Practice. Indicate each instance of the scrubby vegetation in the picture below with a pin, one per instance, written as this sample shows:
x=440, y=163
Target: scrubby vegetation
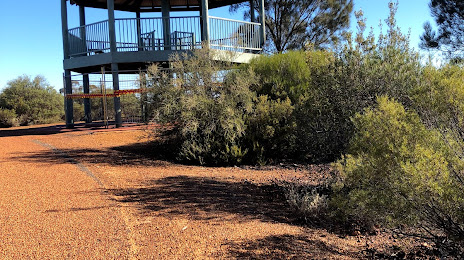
x=392, y=126
x=209, y=116
x=28, y=101
x=399, y=172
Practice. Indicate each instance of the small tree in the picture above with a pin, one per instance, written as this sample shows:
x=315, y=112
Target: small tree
x=399, y=172
x=33, y=100
x=8, y=118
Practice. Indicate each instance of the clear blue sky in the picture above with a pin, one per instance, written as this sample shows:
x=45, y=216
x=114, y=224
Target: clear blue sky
x=30, y=32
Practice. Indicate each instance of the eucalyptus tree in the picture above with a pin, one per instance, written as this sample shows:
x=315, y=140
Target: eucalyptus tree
x=292, y=24
x=449, y=35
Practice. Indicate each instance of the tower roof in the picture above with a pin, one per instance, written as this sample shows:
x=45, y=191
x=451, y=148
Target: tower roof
x=154, y=5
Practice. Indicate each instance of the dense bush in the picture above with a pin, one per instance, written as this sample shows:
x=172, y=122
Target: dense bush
x=269, y=130
x=208, y=116
x=326, y=88
x=295, y=83
x=282, y=76
x=33, y=100
x=8, y=118
x=439, y=99
x=399, y=172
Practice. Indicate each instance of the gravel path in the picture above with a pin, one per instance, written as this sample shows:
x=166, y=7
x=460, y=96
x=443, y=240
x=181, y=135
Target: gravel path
x=50, y=210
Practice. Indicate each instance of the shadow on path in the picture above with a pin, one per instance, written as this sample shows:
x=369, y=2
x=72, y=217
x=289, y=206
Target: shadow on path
x=286, y=247
x=143, y=154
x=207, y=199
x=56, y=129
x=216, y=201
x=45, y=130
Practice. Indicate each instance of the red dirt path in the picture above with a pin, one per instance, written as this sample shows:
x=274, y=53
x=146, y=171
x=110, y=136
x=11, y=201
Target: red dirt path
x=97, y=194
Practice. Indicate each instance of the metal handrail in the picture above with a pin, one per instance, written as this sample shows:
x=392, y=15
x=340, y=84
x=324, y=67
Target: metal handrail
x=163, y=33
x=234, y=35
x=233, y=20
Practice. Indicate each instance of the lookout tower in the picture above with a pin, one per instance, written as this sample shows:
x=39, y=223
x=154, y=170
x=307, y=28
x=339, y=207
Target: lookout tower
x=129, y=44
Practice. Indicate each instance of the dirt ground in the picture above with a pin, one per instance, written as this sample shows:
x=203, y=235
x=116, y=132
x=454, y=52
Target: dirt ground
x=95, y=193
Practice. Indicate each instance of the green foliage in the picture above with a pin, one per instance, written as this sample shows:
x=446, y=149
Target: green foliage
x=32, y=100
x=282, y=76
x=449, y=15
x=8, y=118
x=399, y=172
x=367, y=68
x=327, y=88
x=208, y=116
x=439, y=98
x=270, y=129
x=361, y=70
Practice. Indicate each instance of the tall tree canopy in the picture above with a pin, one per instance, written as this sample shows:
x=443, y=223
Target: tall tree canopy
x=449, y=36
x=292, y=24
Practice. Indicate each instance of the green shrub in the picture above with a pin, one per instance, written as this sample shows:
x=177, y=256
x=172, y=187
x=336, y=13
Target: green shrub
x=8, y=118
x=282, y=76
x=270, y=129
x=399, y=172
x=327, y=88
x=439, y=98
x=290, y=103
x=32, y=100
x=208, y=116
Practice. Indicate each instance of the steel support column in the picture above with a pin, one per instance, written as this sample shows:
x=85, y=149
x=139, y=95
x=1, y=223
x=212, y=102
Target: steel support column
x=263, y=23
x=69, y=113
x=87, y=107
x=114, y=66
x=165, y=12
x=82, y=30
x=139, y=31
x=64, y=28
x=85, y=77
x=205, y=22
x=111, y=26
x=67, y=88
x=117, y=100
x=252, y=11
